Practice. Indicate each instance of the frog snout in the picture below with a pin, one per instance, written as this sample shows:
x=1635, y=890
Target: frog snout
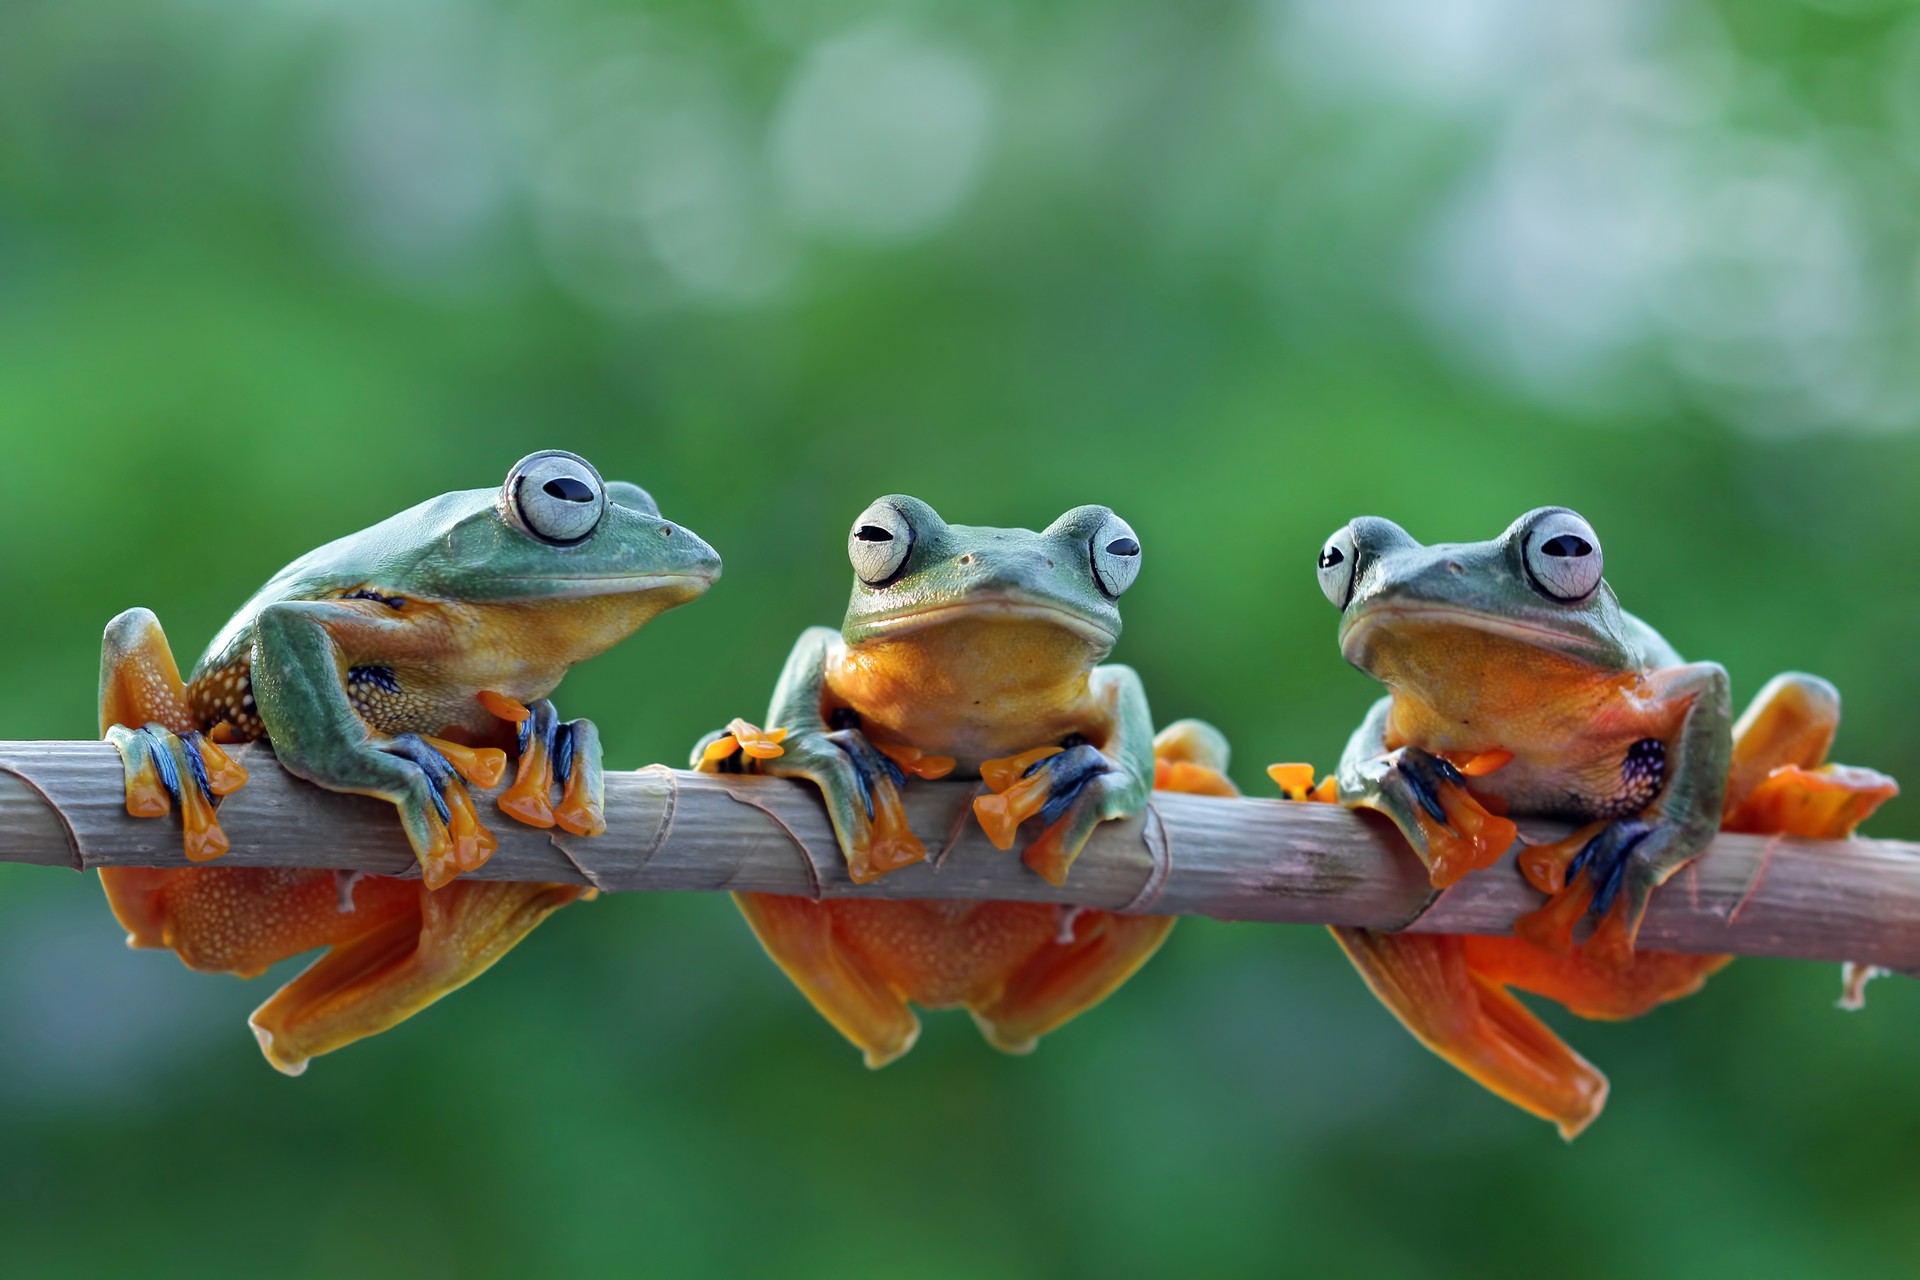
x=696, y=556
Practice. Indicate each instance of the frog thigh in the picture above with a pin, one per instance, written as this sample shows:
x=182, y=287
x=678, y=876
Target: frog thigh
x=1066, y=978
x=1780, y=783
x=1790, y=722
x=386, y=973
x=1428, y=982
x=241, y=920
x=139, y=681
x=140, y=685
x=798, y=935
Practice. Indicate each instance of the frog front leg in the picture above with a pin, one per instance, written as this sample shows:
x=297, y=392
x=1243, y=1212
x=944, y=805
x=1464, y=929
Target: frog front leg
x=1425, y=796
x=1075, y=786
x=859, y=783
x=300, y=685
x=1612, y=869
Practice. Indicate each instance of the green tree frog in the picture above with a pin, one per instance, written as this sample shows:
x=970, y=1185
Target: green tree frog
x=976, y=652
x=1517, y=686
x=397, y=662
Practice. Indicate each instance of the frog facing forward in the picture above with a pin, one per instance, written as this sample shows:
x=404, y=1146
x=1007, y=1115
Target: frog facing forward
x=975, y=652
x=1517, y=687
x=399, y=662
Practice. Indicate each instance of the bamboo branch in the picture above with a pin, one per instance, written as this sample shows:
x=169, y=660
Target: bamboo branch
x=61, y=804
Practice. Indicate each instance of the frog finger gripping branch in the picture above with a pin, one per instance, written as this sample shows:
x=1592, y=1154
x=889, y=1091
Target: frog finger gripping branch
x=1517, y=686
x=974, y=652
x=396, y=662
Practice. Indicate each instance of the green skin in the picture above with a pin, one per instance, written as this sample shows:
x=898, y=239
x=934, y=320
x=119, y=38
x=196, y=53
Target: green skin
x=1478, y=657
x=985, y=643
x=470, y=599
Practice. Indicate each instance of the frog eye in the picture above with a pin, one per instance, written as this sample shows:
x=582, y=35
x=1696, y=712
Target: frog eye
x=879, y=544
x=1563, y=556
x=1116, y=555
x=1337, y=560
x=557, y=497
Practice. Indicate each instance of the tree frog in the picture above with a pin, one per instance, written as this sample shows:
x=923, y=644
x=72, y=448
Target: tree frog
x=1517, y=686
x=975, y=652
x=395, y=662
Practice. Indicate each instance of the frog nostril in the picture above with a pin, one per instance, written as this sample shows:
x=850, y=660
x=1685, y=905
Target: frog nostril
x=1454, y=566
x=666, y=531
x=967, y=559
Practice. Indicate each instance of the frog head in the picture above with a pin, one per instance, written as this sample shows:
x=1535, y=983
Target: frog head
x=565, y=556
x=1413, y=614
x=918, y=578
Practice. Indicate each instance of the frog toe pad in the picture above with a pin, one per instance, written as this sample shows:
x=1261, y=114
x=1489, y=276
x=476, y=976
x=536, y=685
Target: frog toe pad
x=164, y=769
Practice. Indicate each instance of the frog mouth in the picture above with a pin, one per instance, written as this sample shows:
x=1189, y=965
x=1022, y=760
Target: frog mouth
x=588, y=585
x=1356, y=637
x=994, y=608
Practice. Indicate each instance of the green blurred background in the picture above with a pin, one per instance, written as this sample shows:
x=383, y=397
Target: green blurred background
x=271, y=270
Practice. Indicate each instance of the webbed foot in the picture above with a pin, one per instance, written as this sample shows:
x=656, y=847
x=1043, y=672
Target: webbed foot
x=455, y=841
x=1429, y=982
x=559, y=753
x=164, y=769
x=383, y=970
x=1602, y=871
x=1455, y=833
x=1191, y=756
x=859, y=782
x=1818, y=804
x=1072, y=788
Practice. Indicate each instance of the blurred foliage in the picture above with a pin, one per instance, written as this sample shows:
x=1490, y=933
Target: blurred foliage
x=270, y=271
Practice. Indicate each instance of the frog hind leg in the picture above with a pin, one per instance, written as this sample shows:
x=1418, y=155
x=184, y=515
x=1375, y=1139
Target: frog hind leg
x=840, y=982
x=396, y=966
x=1780, y=783
x=1777, y=785
x=1429, y=982
x=1095, y=952
x=144, y=712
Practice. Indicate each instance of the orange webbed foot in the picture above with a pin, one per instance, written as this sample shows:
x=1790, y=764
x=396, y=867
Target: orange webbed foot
x=384, y=972
x=1818, y=804
x=163, y=769
x=741, y=737
x=1461, y=834
x=1432, y=983
x=563, y=753
x=1071, y=788
x=1184, y=777
x=1018, y=792
x=915, y=762
x=891, y=843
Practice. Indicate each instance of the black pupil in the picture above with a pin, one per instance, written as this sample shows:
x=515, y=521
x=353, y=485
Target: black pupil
x=1331, y=557
x=568, y=489
x=872, y=533
x=1567, y=545
x=1123, y=547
